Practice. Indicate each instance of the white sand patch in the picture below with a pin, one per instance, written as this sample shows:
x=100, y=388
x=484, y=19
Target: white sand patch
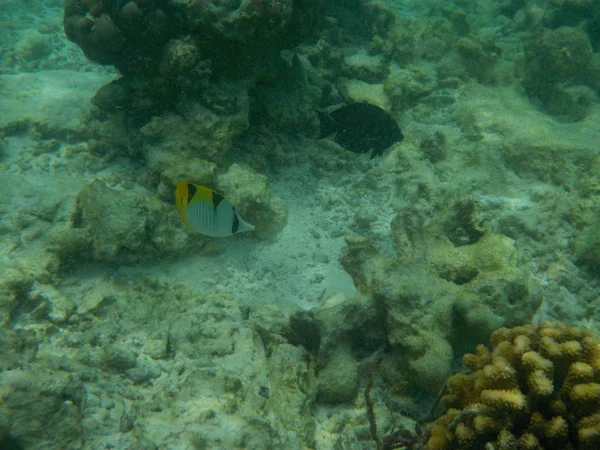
x=60, y=98
x=300, y=266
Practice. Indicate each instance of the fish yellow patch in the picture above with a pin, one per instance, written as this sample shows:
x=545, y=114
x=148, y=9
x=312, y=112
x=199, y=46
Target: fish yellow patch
x=181, y=199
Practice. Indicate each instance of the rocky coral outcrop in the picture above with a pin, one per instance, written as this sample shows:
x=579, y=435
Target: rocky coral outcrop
x=126, y=35
x=292, y=393
x=557, y=57
x=187, y=58
x=338, y=380
x=125, y=225
x=450, y=285
x=538, y=388
x=39, y=408
x=203, y=130
x=584, y=14
x=47, y=399
x=179, y=37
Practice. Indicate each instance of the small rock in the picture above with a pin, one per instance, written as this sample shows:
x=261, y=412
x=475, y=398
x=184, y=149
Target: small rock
x=59, y=306
x=120, y=357
x=338, y=381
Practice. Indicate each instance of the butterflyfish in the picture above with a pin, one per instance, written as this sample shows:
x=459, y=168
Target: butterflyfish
x=207, y=211
x=360, y=128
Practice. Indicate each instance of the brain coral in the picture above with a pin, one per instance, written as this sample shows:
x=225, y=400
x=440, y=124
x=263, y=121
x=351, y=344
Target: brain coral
x=538, y=388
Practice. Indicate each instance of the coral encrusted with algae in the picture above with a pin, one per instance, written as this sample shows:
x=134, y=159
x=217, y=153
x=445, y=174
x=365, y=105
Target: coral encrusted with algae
x=538, y=388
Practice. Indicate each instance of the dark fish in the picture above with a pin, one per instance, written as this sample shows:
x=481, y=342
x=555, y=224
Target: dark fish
x=360, y=128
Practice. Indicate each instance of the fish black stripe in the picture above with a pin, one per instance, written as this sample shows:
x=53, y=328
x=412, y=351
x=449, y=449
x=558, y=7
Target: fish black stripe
x=236, y=223
x=191, y=192
x=217, y=199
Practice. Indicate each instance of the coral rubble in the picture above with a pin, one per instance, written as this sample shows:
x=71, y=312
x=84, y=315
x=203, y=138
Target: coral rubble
x=106, y=375
x=538, y=388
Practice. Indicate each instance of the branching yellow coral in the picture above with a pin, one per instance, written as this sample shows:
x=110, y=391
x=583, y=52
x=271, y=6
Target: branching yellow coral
x=538, y=388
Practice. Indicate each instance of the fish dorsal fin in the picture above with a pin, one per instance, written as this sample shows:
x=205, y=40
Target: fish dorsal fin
x=328, y=124
x=331, y=109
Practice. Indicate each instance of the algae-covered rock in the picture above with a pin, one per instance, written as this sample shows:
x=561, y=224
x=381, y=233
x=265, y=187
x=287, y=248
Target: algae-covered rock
x=252, y=196
x=59, y=306
x=194, y=170
x=94, y=299
x=127, y=225
x=350, y=326
x=450, y=285
x=39, y=408
x=479, y=57
x=405, y=86
x=203, y=131
x=532, y=142
x=340, y=333
x=365, y=67
x=120, y=357
x=18, y=348
x=586, y=246
x=582, y=14
x=214, y=337
x=14, y=287
x=144, y=36
x=270, y=322
x=338, y=380
x=289, y=103
x=561, y=54
x=33, y=46
x=356, y=91
x=292, y=392
x=180, y=56
x=27, y=301
x=360, y=259
x=558, y=56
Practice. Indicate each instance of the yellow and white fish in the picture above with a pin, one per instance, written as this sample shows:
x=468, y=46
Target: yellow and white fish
x=207, y=211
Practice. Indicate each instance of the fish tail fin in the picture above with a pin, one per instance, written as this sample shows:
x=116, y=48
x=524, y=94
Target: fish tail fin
x=244, y=226
x=328, y=125
x=375, y=153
